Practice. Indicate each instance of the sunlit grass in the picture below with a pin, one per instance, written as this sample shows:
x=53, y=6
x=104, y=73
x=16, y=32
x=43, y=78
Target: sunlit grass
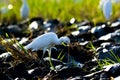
x=60, y=56
x=17, y=50
x=61, y=9
x=104, y=62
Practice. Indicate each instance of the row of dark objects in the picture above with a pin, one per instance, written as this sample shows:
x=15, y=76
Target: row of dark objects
x=108, y=47
x=32, y=69
x=37, y=69
x=110, y=72
x=104, y=46
x=100, y=34
x=95, y=31
x=69, y=69
x=17, y=28
x=103, y=32
x=105, y=38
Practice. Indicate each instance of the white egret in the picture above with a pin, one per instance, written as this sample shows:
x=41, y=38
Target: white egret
x=24, y=10
x=46, y=42
x=107, y=9
x=3, y=10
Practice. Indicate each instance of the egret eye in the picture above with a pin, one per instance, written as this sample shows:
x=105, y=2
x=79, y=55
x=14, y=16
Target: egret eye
x=66, y=42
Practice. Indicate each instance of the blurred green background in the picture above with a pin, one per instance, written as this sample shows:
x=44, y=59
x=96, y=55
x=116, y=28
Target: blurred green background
x=63, y=10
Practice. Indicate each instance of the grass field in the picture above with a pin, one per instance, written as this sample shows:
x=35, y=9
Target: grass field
x=59, y=9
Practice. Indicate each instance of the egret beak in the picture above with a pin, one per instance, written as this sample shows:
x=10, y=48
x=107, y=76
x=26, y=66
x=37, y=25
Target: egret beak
x=65, y=44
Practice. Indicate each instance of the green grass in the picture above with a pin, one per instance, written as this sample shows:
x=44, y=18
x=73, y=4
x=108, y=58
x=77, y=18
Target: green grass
x=18, y=51
x=106, y=61
x=63, y=10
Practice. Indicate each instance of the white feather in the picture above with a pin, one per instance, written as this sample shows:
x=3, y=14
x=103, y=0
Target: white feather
x=46, y=41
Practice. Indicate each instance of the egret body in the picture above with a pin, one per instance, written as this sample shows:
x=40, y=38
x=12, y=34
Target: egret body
x=24, y=10
x=46, y=42
x=107, y=9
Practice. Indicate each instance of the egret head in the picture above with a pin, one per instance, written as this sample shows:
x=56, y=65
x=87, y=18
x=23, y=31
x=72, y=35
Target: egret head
x=64, y=40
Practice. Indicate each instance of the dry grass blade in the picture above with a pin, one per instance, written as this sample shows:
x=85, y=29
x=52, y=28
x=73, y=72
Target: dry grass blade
x=18, y=52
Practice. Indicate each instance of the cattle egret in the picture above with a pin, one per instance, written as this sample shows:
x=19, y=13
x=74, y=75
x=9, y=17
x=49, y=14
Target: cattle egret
x=46, y=42
x=24, y=10
x=107, y=9
x=3, y=10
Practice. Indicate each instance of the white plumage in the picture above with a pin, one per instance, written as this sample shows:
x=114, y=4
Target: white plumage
x=46, y=41
x=24, y=10
x=107, y=9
